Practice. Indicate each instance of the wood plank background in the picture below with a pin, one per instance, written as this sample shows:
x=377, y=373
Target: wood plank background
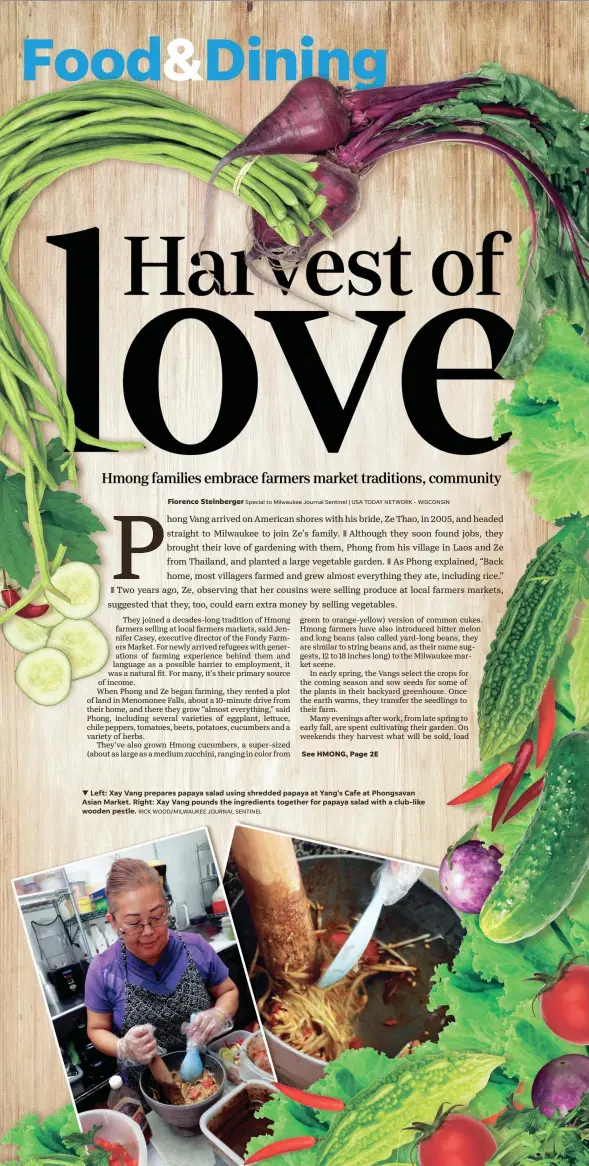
x=436, y=200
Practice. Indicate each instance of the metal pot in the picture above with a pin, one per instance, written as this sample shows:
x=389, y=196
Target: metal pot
x=183, y=1118
x=342, y=884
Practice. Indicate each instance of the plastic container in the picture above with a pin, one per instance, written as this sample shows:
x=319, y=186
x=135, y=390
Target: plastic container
x=117, y=1127
x=237, y=1036
x=98, y=900
x=219, y=901
x=248, y=1069
x=231, y=1122
x=292, y=1067
x=84, y=904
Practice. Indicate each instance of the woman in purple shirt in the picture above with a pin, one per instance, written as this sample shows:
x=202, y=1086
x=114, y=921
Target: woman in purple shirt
x=150, y=982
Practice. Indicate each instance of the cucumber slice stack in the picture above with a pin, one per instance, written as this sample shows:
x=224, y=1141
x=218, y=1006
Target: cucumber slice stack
x=63, y=644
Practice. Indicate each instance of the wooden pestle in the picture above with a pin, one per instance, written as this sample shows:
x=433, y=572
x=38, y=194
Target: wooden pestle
x=276, y=897
x=160, y=1073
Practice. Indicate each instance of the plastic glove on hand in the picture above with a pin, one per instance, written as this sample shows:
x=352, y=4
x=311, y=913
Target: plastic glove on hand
x=394, y=880
x=138, y=1045
x=205, y=1026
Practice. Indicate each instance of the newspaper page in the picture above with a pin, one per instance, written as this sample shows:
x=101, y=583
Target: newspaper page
x=294, y=476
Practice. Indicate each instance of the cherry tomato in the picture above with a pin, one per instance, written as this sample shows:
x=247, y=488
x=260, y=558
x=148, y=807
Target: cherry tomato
x=565, y=1007
x=460, y=1141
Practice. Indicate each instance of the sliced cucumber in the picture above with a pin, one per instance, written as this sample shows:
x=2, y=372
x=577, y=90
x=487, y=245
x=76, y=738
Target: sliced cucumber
x=45, y=676
x=25, y=634
x=81, y=583
x=51, y=617
x=85, y=646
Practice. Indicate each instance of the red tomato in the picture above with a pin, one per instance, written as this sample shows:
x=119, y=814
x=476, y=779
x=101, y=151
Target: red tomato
x=460, y=1141
x=370, y=955
x=565, y=1007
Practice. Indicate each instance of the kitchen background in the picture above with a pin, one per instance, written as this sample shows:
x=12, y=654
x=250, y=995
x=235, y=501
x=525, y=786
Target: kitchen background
x=64, y=914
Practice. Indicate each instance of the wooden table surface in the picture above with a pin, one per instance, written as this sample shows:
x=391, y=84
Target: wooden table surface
x=436, y=200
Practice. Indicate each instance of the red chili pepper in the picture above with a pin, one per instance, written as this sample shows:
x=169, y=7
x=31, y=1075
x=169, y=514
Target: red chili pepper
x=522, y=760
x=313, y=1100
x=283, y=1147
x=529, y=795
x=546, y=723
x=10, y=596
x=484, y=786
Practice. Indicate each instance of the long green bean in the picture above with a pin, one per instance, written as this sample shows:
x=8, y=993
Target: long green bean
x=42, y=140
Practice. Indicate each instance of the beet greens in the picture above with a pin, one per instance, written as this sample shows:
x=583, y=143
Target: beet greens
x=542, y=137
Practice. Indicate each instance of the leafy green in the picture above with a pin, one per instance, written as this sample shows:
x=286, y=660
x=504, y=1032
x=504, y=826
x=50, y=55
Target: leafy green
x=579, y=669
x=65, y=519
x=548, y=417
x=55, y=1140
x=489, y=994
x=349, y=1075
x=16, y=552
x=57, y=457
x=557, y=144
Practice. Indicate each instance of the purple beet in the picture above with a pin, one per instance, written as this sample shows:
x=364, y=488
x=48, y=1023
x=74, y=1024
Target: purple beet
x=309, y=120
x=468, y=878
x=560, y=1085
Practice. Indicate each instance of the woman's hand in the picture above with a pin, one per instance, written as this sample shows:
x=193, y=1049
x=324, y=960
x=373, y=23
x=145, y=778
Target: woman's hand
x=206, y=1026
x=138, y=1045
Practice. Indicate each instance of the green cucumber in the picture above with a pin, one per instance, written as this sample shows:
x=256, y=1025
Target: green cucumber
x=553, y=855
x=45, y=676
x=85, y=646
x=81, y=584
x=24, y=634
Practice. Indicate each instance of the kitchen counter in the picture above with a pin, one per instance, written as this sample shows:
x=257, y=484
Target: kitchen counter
x=207, y=931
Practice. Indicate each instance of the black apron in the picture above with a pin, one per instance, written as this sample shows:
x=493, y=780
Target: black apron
x=166, y=1013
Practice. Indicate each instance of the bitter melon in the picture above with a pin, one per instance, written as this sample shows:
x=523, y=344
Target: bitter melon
x=529, y=638
x=374, y=1123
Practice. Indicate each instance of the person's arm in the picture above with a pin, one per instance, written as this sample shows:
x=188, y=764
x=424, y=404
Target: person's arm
x=99, y=1029
x=227, y=996
x=138, y=1044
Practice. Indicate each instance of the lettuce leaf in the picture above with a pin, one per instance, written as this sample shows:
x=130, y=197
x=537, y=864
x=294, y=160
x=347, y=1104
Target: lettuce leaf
x=548, y=417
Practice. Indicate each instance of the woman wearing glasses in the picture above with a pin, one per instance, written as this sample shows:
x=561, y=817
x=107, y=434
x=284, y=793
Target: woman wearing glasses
x=152, y=976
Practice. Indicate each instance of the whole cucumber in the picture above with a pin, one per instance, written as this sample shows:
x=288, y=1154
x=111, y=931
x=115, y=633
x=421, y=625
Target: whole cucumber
x=553, y=855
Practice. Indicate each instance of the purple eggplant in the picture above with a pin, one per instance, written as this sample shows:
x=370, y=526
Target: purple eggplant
x=560, y=1084
x=468, y=875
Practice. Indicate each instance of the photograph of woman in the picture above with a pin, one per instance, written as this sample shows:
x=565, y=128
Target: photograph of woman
x=143, y=991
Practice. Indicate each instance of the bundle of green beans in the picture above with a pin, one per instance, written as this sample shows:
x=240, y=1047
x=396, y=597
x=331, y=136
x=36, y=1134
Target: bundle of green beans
x=43, y=139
